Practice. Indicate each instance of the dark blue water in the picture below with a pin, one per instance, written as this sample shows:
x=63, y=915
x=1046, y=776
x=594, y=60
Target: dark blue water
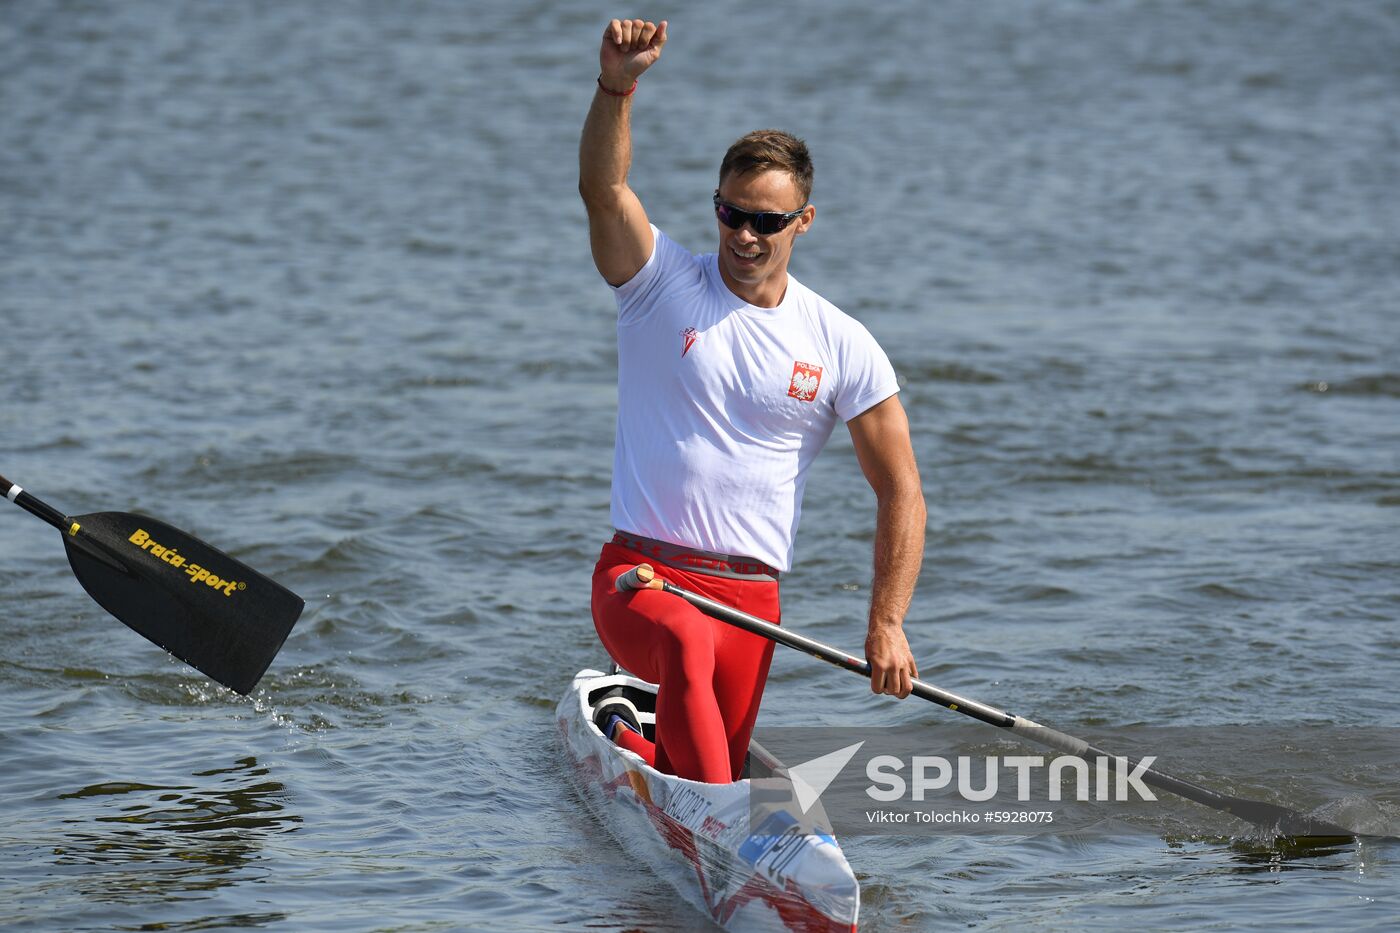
x=311, y=281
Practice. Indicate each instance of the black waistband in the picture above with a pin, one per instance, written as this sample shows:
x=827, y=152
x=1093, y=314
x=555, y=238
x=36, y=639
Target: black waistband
x=733, y=566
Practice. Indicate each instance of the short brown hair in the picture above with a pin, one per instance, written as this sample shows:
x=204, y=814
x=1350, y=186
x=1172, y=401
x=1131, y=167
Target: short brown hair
x=764, y=150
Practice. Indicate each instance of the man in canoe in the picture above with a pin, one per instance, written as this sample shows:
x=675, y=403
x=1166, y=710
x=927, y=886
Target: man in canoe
x=732, y=376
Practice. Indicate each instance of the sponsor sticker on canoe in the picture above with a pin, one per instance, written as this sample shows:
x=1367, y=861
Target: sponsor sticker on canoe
x=688, y=808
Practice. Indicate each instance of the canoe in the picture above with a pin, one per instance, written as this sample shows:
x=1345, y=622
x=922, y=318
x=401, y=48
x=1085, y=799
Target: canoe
x=697, y=837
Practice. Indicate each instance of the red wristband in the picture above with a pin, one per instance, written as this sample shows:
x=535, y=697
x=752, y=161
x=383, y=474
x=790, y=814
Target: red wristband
x=611, y=93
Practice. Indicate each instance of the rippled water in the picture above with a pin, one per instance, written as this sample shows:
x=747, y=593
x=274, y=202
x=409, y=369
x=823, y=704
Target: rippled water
x=311, y=281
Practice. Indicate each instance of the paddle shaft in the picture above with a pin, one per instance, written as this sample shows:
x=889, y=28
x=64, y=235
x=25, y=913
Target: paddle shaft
x=642, y=577
x=33, y=505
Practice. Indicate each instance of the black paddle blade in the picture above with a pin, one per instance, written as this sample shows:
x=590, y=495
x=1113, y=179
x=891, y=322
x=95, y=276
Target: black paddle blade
x=1288, y=824
x=210, y=610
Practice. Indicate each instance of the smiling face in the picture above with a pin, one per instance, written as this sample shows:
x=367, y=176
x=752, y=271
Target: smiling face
x=755, y=267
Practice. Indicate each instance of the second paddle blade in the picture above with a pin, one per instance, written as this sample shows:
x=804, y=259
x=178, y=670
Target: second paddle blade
x=208, y=609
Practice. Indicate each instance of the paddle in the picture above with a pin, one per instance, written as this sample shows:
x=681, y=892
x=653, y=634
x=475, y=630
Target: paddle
x=211, y=611
x=1281, y=820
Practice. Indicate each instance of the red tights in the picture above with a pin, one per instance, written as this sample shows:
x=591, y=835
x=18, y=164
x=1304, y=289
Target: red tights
x=710, y=674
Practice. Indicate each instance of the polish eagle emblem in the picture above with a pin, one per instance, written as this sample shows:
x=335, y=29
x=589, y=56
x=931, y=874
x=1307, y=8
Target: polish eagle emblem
x=806, y=378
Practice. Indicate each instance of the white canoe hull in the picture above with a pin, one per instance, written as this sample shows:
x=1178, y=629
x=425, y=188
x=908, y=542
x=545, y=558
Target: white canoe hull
x=697, y=837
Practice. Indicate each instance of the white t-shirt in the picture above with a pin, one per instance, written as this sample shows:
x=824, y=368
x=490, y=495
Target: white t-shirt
x=723, y=406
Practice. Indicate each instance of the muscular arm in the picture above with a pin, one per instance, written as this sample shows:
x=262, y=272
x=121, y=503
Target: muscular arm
x=618, y=230
x=886, y=456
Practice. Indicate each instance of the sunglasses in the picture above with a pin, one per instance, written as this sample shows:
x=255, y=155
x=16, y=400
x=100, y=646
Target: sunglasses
x=764, y=223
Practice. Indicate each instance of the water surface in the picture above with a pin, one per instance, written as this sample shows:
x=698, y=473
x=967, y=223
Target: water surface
x=311, y=281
